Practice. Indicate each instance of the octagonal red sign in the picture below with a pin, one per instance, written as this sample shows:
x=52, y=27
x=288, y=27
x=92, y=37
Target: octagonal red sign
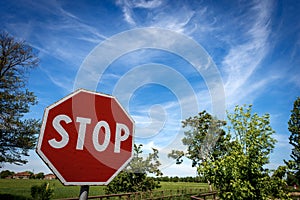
x=86, y=138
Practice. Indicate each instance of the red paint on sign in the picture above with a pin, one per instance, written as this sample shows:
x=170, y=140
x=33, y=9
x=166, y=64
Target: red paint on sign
x=86, y=138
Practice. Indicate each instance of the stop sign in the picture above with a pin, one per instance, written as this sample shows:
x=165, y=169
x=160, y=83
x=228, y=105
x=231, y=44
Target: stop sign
x=86, y=138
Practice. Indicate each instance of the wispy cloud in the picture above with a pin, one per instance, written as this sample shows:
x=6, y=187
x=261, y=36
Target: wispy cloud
x=158, y=14
x=63, y=81
x=63, y=37
x=66, y=37
x=128, y=6
x=147, y=4
x=244, y=58
x=127, y=11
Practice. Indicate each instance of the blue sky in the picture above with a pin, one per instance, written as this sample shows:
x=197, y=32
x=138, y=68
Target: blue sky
x=254, y=46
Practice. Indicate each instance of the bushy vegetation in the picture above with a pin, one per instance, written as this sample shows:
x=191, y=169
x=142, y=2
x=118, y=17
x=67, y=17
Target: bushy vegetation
x=135, y=177
x=41, y=192
x=6, y=173
x=234, y=160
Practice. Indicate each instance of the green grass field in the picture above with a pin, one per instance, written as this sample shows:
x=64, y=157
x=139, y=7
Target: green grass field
x=22, y=187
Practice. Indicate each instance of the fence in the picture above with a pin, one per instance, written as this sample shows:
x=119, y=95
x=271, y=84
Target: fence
x=204, y=196
x=151, y=195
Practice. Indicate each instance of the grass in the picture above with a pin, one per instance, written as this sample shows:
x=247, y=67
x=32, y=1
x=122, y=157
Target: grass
x=22, y=187
x=180, y=185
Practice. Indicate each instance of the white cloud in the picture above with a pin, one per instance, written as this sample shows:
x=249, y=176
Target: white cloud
x=65, y=38
x=159, y=14
x=129, y=6
x=147, y=147
x=127, y=11
x=243, y=59
x=34, y=164
x=168, y=165
x=174, y=22
x=128, y=15
x=148, y=127
x=282, y=141
x=182, y=170
x=146, y=4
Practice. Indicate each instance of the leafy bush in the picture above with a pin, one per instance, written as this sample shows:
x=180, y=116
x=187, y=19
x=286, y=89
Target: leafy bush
x=134, y=178
x=42, y=192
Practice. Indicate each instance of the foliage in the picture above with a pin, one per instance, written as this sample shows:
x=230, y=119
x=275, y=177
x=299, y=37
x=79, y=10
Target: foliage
x=134, y=178
x=236, y=165
x=294, y=128
x=17, y=135
x=204, y=139
x=277, y=186
x=292, y=179
x=42, y=192
x=39, y=175
x=240, y=172
x=6, y=173
x=31, y=176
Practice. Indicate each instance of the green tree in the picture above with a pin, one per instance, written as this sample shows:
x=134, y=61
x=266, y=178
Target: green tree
x=17, y=135
x=31, y=176
x=204, y=139
x=294, y=128
x=134, y=178
x=236, y=166
x=240, y=173
x=40, y=175
x=6, y=173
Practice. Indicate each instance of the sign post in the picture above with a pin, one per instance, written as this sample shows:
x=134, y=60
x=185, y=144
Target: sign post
x=86, y=139
x=84, y=192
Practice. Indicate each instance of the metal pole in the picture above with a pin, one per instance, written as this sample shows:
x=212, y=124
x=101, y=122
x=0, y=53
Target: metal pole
x=84, y=192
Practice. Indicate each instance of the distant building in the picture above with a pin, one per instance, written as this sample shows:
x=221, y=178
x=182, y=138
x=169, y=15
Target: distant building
x=21, y=175
x=49, y=177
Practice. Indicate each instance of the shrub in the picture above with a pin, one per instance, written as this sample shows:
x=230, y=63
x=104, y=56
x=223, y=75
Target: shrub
x=42, y=192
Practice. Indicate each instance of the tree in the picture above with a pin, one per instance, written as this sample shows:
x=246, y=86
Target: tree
x=31, y=176
x=204, y=139
x=294, y=128
x=134, y=178
x=236, y=166
x=40, y=175
x=17, y=135
x=240, y=172
x=6, y=173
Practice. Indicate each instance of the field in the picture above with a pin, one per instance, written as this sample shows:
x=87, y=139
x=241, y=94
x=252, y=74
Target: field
x=22, y=187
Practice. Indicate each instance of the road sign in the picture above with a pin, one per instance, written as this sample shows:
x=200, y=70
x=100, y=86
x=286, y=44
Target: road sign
x=86, y=138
